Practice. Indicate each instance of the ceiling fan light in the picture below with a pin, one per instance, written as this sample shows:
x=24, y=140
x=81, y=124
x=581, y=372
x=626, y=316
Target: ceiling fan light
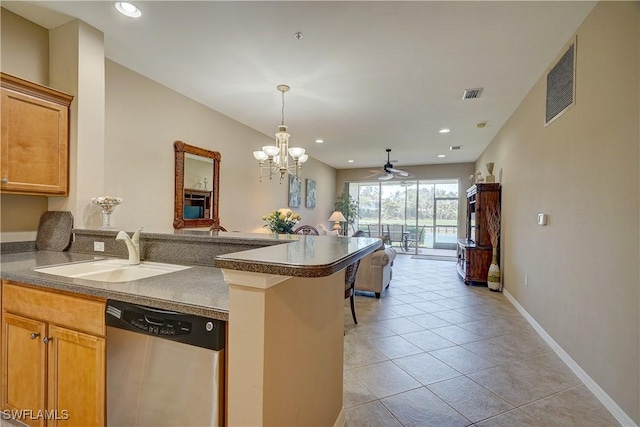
x=271, y=150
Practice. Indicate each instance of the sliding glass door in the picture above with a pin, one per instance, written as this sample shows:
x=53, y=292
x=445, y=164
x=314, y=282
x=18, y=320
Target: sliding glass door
x=446, y=216
x=414, y=215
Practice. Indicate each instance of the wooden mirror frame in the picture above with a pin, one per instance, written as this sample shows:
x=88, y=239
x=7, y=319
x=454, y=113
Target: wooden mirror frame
x=180, y=148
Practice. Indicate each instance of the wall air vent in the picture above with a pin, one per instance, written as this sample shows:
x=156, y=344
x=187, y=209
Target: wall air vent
x=561, y=84
x=455, y=147
x=472, y=93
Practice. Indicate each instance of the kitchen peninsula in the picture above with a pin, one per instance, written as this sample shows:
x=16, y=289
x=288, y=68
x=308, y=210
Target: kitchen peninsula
x=281, y=295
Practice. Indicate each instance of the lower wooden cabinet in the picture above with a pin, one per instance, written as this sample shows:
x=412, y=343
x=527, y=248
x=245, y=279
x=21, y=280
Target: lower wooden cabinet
x=52, y=373
x=24, y=358
x=473, y=261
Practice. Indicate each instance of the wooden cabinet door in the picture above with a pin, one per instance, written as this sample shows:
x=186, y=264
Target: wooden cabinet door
x=76, y=377
x=24, y=365
x=35, y=140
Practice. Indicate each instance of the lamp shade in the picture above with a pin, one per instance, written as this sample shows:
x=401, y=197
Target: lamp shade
x=271, y=150
x=337, y=216
x=260, y=156
x=296, y=152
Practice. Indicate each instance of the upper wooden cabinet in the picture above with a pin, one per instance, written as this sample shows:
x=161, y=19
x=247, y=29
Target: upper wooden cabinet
x=35, y=138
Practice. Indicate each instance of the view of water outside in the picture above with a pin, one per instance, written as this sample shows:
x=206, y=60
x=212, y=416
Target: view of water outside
x=413, y=214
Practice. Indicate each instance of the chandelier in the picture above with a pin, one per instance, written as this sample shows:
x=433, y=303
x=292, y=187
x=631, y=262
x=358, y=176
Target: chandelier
x=278, y=155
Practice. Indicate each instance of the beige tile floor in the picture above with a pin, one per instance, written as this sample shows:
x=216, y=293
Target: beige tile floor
x=435, y=352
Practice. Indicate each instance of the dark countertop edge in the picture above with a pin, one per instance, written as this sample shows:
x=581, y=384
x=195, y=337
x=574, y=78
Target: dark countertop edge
x=60, y=285
x=309, y=271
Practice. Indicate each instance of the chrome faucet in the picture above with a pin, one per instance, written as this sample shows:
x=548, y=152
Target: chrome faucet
x=133, y=245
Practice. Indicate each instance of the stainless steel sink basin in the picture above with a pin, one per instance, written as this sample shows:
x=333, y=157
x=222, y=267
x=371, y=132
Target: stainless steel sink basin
x=112, y=270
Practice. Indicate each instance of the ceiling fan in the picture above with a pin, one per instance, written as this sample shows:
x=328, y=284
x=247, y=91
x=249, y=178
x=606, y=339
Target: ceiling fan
x=388, y=171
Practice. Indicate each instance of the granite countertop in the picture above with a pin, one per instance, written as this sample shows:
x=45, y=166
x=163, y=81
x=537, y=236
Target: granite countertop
x=197, y=290
x=307, y=256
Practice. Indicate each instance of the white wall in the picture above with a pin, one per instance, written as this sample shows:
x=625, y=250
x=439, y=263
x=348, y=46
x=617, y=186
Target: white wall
x=583, y=171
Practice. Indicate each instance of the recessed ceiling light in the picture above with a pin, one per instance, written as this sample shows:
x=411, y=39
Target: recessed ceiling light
x=319, y=141
x=350, y=161
x=444, y=130
x=128, y=9
x=442, y=155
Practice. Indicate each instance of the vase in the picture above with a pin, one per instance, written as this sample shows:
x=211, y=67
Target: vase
x=493, y=277
x=490, y=177
x=107, y=210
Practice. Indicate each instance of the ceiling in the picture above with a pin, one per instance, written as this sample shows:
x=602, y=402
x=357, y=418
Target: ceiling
x=364, y=77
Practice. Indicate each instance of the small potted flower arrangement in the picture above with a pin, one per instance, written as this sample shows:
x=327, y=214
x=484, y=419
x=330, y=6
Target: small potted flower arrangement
x=281, y=221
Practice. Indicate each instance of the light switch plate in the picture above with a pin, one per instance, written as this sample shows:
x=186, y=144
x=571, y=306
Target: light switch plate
x=98, y=246
x=542, y=219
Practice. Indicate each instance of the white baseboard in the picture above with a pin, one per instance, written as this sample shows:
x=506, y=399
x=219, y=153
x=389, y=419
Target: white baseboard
x=600, y=394
x=341, y=420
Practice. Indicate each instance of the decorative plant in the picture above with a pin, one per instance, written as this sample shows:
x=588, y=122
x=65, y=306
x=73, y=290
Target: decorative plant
x=493, y=225
x=349, y=208
x=281, y=221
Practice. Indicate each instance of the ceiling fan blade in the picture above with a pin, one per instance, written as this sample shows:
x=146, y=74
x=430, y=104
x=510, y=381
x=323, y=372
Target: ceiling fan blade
x=371, y=176
x=398, y=171
x=385, y=177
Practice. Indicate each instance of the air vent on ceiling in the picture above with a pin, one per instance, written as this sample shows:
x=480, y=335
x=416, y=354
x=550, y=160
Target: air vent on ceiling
x=455, y=147
x=472, y=93
x=561, y=84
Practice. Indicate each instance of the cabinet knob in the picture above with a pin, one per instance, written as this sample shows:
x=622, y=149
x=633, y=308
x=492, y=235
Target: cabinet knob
x=5, y=180
x=33, y=335
x=47, y=340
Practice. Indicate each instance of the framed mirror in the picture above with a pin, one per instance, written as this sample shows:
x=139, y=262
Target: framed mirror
x=197, y=186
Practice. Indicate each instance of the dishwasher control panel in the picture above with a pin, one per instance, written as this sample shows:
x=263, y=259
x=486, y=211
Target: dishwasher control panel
x=186, y=328
x=157, y=326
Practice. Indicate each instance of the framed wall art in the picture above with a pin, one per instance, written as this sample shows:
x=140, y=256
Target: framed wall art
x=311, y=194
x=295, y=192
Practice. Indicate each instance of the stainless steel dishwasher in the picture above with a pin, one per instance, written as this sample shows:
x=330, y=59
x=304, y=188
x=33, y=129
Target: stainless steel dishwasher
x=163, y=368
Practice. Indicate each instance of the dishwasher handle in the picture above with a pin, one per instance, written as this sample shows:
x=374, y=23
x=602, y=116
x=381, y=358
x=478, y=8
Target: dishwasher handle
x=154, y=321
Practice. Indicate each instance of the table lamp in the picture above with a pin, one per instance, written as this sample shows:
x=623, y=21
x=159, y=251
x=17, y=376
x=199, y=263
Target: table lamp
x=337, y=217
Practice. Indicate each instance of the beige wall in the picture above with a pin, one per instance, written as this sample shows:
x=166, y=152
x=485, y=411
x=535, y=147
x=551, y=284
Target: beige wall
x=144, y=118
x=134, y=159
x=583, y=171
x=24, y=52
x=454, y=171
x=24, y=48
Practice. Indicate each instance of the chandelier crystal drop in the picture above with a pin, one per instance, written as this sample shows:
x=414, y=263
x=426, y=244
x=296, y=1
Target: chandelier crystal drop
x=278, y=155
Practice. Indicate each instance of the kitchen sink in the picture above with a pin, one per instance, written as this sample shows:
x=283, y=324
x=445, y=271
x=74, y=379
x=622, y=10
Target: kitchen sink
x=111, y=270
